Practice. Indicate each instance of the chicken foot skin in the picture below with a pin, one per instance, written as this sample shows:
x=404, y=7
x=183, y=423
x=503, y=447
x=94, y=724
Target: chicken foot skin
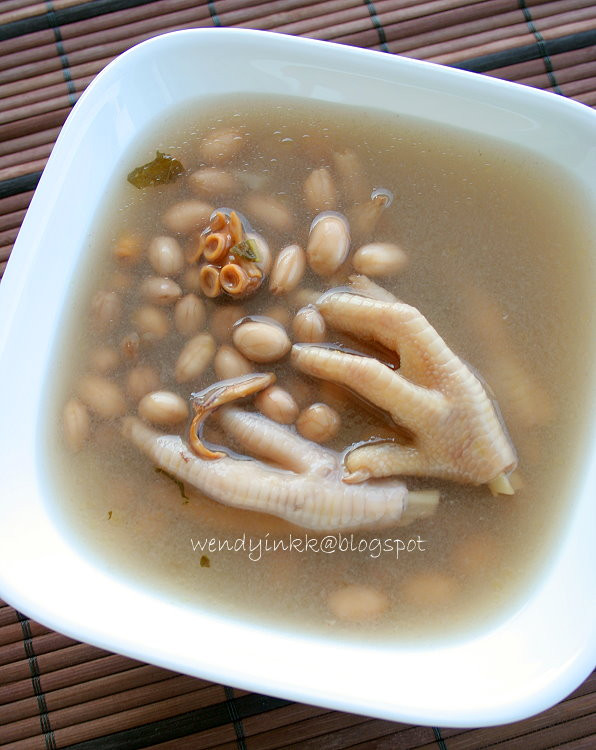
x=436, y=396
x=314, y=498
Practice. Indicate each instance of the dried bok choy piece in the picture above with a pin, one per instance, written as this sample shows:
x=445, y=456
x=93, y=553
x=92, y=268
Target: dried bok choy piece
x=163, y=169
x=246, y=249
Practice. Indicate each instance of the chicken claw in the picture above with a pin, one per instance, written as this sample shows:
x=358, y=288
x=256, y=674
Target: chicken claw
x=216, y=395
x=457, y=432
x=303, y=484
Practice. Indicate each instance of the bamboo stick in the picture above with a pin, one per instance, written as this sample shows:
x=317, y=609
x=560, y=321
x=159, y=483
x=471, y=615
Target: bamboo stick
x=303, y=17
x=36, y=108
x=7, y=614
x=82, y=712
x=79, y=36
x=7, y=205
x=441, y=20
x=121, y=720
x=10, y=634
x=580, y=86
x=30, y=125
x=29, y=52
x=281, y=717
x=50, y=661
x=560, y=21
x=75, y=694
x=42, y=644
x=579, y=72
x=32, y=40
x=573, y=57
x=20, y=11
x=32, y=140
x=22, y=169
x=25, y=86
x=456, y=35
x=217, y=738
x=518, y=71
x=444, y=55
x=548, y=9
x=7, y=5
x=568, y=29
x=5, y=253
x=68, y=676
x=34, y=96
x=27, y=157
x=5, y=250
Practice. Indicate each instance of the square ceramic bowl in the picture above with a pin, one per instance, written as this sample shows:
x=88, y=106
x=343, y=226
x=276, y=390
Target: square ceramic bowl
x=522, y=665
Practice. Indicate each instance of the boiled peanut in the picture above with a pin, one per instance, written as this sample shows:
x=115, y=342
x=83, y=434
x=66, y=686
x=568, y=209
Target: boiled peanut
x=210, y=181
x=128, y=248
x=221, y=145
x=429, y=588
x=277, y=404
x=229, y=363
x=163, y=408
x=303, y=297
x=288, y=270
x=102, y=396
x=379, y=259
x=319, y=190
x=151, y=322
x=160, y=290
x=194, y=358
x=350, y=171
x=104, y=359
x=475, y=555
x=166, y=256
x=189, y=314
x=106, y=308
x=263, y=251
x=280, y=314
x=301, y=390
x=223, y=319
x=261, y=340
x=271, y=212
x=191, y=279
x=365, y=216
x=328, y=243
x=120, y=281
x=357, y=603
x=130, y=345
x=75, y=423
x=309, y=325
x=187, y=216
x=141, y=380
x=318, y=422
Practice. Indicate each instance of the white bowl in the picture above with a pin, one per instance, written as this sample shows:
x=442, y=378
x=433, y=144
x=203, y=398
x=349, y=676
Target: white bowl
x=518, y=667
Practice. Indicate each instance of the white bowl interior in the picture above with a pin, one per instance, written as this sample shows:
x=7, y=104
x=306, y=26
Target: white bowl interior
x=516, y=668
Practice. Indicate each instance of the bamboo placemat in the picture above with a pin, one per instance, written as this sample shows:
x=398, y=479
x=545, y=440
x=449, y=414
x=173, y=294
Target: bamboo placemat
x=58, y=693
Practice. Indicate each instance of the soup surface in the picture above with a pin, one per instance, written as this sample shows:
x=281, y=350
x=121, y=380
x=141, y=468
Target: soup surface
x=479, y=242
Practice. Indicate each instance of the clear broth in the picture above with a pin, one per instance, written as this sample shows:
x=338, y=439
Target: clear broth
x=497, y=264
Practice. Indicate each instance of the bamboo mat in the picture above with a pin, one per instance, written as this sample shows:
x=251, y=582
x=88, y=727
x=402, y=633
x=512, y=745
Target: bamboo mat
x=58, y=693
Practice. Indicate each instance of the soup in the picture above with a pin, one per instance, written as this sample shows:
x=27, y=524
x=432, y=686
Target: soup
x=279, y=337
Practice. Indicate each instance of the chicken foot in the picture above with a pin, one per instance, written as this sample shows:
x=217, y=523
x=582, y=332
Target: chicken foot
x=436, y=396
x=304, y=487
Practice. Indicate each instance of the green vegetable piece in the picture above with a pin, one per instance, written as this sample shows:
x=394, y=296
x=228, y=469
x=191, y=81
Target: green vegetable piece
x=174, y=479
x=161, y=170
x=246, y=249
x=204, y=562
